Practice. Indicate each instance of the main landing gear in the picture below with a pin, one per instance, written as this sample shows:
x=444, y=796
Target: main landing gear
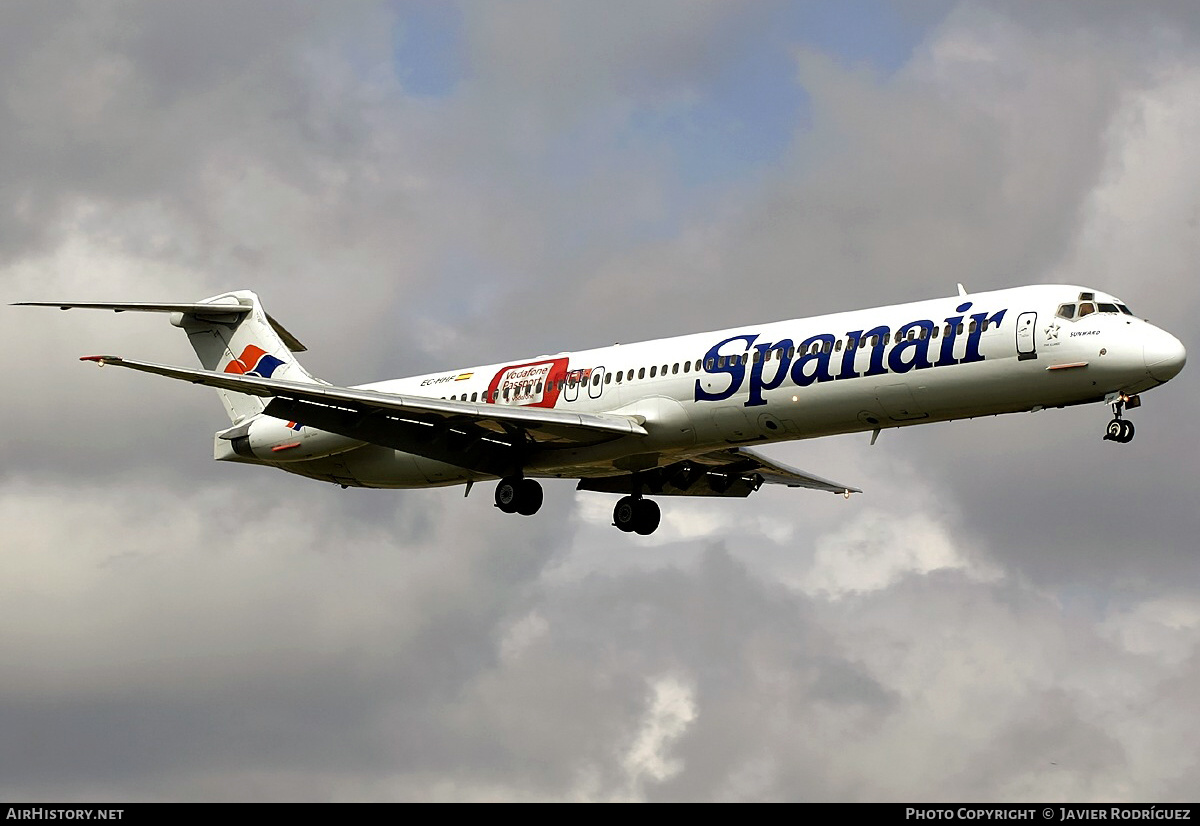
x=637, y=515
x=517, y=495
x=1119, y=429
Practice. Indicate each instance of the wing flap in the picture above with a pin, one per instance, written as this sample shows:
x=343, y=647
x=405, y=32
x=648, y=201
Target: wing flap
x=733, y=472
x=743, y=460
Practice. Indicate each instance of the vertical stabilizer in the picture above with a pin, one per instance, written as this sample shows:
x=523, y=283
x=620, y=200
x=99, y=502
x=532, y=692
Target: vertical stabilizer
x=249, y=343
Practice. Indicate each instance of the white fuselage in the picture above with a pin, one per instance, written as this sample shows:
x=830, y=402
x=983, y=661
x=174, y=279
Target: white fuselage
x=969, y=355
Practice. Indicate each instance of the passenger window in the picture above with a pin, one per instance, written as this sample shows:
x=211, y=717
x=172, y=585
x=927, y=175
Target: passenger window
x=620, y=376
x=608, y=378
x=698, y=363
x=475, y=396
x=641, y=372
x=596, y=380
x=791, y=351
x=664, y=369
x=708, y=365
x=687, y=365
x=674, y=368
x=837, y=345
x=653, y=371
x=972, y=326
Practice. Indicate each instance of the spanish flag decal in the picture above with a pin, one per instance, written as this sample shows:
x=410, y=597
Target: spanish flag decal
x=464, y=376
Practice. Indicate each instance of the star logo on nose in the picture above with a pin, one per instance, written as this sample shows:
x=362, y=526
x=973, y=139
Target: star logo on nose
x=1052, y=332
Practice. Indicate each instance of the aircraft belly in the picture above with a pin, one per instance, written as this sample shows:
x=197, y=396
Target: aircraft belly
x=375, y=466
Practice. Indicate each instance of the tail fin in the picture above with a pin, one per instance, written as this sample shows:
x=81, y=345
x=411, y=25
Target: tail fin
x=230, y=332
x=246, y=341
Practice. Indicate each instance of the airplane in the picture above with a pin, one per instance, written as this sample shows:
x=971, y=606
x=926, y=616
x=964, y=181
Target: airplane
x=669, y=417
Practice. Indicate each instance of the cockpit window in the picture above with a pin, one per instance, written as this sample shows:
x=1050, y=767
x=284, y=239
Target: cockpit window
x=1124, y=309
x=1066, y=311
x=1108, y=308
x=1086, y=308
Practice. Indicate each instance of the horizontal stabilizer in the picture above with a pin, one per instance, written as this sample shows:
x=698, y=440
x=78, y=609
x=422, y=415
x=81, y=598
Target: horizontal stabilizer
x=142, y=307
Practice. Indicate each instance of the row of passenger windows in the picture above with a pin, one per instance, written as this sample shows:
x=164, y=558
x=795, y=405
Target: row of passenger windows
x=654, y=371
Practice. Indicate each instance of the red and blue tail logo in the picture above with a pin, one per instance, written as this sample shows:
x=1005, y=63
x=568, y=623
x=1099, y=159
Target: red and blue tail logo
x=254, y=361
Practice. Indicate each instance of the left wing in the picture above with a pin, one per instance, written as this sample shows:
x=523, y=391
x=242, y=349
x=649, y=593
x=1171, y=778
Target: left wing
x=484, y=437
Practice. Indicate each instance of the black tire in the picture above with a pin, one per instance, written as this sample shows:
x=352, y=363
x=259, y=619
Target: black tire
x=508, y=494
x=646, y=518
x=529, y=497
x=625, y=513
x=1126, y=431
x=1115, y=430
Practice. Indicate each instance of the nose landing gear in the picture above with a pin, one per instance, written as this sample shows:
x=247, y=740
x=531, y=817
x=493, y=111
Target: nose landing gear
x=1121, y=430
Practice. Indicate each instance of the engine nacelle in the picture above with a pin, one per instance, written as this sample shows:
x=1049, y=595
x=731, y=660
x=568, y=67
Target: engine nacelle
x=274, y=440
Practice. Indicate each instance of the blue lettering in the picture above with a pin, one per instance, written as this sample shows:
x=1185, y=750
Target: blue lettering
x=979, y=321
x=819, y=360
x=853, y=339
x=812, y=361
x=877, y=337
x=919, y=347
x=757, y=383
x=732, y=366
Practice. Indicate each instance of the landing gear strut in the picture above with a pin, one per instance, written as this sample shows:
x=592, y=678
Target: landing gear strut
x=636, y=515
x=1119, y=429
x=517, y=495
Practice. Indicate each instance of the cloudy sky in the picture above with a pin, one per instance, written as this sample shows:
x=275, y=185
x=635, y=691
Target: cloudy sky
x=1010, y=612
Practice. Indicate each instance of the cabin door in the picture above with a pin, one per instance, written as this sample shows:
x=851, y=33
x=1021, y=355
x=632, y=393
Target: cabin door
x=1026, y=325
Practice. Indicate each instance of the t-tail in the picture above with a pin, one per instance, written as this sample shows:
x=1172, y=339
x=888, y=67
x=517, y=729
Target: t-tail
x=230, y=333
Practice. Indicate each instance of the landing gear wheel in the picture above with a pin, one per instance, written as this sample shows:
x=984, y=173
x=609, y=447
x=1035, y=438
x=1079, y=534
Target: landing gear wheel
x=515, y=495
x=646, y=517
x=625, y=513
x=529, y=497
x=640, y=516
x=508, y=494
x=1119, y=430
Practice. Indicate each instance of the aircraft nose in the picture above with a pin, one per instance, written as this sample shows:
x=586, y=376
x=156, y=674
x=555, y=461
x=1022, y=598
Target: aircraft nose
x=1164, y=354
